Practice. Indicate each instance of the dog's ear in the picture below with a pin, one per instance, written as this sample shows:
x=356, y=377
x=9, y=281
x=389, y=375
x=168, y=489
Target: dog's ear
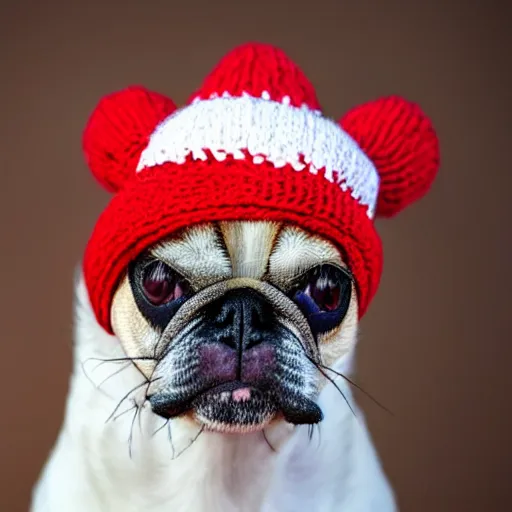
x=119, y=129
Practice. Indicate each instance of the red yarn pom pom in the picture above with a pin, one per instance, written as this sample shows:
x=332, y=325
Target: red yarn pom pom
x=400, y=140
x=119, y=129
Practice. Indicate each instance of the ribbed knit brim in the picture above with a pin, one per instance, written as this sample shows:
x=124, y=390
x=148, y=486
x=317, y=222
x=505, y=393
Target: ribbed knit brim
x=164, y=200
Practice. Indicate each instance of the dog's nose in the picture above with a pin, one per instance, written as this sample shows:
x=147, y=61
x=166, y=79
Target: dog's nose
x=240, y=318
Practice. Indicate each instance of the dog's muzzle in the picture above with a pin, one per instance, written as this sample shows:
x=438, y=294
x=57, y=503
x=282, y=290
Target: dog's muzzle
x=237, y=364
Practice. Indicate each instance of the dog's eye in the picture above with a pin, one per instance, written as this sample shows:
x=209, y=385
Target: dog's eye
x=158, y=290
x=161, y=284
x=326, y=292
x=323, y=296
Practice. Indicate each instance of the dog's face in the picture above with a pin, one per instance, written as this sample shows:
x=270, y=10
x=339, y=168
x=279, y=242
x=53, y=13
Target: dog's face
x=236, y=324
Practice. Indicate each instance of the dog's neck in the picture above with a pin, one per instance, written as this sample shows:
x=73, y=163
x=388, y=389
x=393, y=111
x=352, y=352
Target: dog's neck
x=129, y=459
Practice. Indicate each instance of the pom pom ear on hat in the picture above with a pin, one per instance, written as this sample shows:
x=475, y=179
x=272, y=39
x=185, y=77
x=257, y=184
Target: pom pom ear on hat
x=119, y=129
x=401, y=142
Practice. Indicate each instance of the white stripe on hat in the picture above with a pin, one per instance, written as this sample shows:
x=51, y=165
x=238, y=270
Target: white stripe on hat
x=265, y=130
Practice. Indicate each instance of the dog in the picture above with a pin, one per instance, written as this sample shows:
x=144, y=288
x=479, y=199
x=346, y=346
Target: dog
x=219, y=297
x=231, y=402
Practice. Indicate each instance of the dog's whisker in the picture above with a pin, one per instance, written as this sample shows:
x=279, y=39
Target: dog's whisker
x=115, y=418
x=99, y=386
x=137, y=387
x=310, y=432
x=161, y=427
x=169, y=435
x=140, y=417
x=318, y=366
x=267, y=441
x=166, y=423
x=358, y=387
x=130, y=437
x=141, y=406
x=191, y=443
x=331, y=380
x=115, y=360
x=120, y=359
x=82, y=364
x=117, y=372
x=99, y=365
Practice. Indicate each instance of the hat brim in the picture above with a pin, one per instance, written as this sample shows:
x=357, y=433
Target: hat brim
x=163, y=200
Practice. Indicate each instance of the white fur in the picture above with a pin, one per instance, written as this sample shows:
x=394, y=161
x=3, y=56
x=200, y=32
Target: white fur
x=265, y=130
x=90, y=468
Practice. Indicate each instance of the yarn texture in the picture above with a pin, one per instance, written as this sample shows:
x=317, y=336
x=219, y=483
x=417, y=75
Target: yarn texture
x=119, y=130
x=251, y=143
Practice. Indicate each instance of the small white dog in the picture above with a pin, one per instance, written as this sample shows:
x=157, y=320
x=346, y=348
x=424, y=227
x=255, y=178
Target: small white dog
x=115, y=454
x=218, y=303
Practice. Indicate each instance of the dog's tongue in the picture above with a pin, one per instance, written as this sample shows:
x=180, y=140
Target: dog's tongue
x=241, y=394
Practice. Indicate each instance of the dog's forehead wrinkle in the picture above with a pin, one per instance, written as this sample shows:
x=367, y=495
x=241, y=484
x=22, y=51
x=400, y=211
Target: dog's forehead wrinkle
x=249, y=245
x=199, y=254
x=296, y=251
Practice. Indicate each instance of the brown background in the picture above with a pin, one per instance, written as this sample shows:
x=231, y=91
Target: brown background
x=435, y=347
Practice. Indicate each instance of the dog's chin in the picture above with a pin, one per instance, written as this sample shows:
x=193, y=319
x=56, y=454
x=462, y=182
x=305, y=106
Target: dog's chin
x=234, y=409
x=238, y=408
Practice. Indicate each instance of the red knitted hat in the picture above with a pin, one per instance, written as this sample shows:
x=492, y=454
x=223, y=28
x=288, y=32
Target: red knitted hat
x=251, y=144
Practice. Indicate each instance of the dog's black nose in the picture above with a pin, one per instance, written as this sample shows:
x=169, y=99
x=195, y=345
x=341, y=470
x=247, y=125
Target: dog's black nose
x=241, y=318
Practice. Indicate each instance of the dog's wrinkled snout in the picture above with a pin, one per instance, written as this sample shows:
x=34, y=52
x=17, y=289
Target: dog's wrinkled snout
x=239, y=364
x=240, y=332
x=240, y=318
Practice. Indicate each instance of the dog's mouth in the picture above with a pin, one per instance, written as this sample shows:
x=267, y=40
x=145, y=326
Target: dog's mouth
x=237, y=407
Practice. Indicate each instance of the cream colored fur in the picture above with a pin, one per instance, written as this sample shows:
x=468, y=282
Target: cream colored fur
x=135, y=463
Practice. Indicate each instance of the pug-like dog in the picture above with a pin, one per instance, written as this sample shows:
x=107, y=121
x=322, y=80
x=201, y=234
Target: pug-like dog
x=216, y=393
x=220, y=293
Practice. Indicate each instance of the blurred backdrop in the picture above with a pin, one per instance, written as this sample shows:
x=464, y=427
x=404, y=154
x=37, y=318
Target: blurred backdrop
x=435, y=346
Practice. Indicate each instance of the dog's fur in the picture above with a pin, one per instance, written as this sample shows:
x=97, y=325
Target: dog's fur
x=115, y=454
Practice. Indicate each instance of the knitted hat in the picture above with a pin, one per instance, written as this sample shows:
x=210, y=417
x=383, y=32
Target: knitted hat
x=251, y=144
